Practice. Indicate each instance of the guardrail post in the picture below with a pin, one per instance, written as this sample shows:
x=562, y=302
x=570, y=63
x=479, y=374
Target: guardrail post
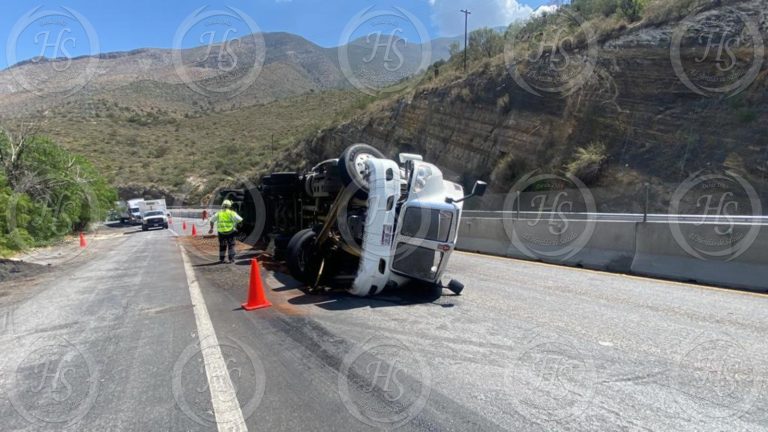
x=647, y=199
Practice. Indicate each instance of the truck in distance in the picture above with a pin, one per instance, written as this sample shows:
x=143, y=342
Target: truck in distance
x=154, y=214
x=134, y=210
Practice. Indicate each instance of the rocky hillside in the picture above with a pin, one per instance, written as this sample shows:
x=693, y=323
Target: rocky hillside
x=634, y=119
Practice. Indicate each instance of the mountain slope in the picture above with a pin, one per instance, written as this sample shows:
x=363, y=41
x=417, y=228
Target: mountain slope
x=151, y=152
x=152, y=78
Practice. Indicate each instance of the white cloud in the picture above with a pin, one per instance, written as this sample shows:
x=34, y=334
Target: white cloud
x=485, y=13
x=548, y=9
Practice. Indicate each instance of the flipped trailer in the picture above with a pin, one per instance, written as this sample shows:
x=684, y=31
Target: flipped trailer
x=362, y=222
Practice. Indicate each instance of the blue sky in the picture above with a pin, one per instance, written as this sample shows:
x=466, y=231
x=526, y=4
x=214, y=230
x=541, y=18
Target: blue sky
x=120, y=25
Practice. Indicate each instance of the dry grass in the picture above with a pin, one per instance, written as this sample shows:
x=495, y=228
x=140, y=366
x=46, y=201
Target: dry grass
x=153, y=147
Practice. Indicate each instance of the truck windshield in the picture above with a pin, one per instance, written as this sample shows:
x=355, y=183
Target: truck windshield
x=426, y=223
x=135, y=210
x=154, y=213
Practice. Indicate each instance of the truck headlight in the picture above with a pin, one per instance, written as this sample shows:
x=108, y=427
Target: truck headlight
x=421, y=177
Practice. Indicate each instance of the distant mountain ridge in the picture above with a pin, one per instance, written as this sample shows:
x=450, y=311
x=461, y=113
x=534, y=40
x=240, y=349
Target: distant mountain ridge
x=150, y=77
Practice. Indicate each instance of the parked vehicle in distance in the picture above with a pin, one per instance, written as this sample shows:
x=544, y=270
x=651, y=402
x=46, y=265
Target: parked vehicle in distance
x=134, y=210
x=154, y=219
x=152, y=205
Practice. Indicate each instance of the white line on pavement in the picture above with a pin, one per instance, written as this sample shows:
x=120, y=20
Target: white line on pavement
x=226, y=408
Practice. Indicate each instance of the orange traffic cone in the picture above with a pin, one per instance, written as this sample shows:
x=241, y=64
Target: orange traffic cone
x=194, y=230
x=256, y=297
x=83, y=243
x=184, y=226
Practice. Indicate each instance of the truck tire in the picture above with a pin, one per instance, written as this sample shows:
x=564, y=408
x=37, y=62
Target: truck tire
x=254, y=213
x=455, y=286
x=303, y=257
x=281, y=246
x=352, y=164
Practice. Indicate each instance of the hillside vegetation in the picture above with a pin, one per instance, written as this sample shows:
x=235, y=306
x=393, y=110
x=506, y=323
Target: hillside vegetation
x=152, y=149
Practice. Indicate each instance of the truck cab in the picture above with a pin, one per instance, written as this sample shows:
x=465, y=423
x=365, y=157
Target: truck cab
x=134, y=210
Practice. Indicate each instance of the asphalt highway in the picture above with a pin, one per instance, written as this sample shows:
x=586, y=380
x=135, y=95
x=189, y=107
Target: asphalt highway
x=143, y=331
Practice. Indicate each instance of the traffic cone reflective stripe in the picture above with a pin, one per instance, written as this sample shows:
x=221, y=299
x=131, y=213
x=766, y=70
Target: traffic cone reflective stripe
x=257, y=299
x=83, y=243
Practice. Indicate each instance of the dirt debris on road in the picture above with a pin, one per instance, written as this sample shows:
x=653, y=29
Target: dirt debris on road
x=281, y=289
x=14, y=270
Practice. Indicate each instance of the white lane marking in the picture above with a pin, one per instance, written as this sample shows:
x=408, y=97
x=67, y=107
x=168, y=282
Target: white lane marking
x=226, y=407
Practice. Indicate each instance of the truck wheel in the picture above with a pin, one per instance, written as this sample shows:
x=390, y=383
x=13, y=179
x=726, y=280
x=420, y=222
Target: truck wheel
x=144, y=228
x=352, y=164
x=304, y=257
x=455, y=286
x=254, y=213
x=281, y=246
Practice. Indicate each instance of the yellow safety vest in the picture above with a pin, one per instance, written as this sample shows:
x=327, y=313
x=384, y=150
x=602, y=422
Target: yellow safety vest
x=226, y=221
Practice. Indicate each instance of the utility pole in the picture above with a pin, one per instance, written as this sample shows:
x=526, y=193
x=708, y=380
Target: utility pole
x=466, y=13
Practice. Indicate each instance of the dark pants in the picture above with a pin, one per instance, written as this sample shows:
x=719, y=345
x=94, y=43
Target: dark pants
x=227, y=241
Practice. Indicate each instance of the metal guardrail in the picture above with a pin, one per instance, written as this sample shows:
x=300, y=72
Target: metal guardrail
x=553, y=216
x=190, y=212
x=619, y=217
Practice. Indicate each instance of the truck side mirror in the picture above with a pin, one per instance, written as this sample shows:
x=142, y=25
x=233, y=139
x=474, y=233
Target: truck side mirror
x=405, y=157
x=479, y=188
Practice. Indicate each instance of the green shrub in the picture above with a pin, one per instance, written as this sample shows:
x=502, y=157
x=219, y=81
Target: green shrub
x=631, y=9
x=507, y=170
x=588, y=162
x=53, y=194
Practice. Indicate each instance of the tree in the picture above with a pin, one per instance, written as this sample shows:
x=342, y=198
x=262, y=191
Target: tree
x=513, y=29
x=485, y=42
x=631, y=9
x=13, y=144
x=454, y=48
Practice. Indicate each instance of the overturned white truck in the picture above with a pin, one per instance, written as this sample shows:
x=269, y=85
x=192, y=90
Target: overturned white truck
x=362, y=222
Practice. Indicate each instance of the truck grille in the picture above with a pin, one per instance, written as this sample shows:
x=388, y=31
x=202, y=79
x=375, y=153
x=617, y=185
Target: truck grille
x=418, y=262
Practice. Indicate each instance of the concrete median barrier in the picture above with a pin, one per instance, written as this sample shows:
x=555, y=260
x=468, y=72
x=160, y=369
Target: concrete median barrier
x=597, y=245
x=483, y=236
x=727, y=256
x=733, y=257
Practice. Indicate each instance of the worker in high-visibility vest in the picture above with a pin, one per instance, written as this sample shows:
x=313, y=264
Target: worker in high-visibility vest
x=226, y=222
